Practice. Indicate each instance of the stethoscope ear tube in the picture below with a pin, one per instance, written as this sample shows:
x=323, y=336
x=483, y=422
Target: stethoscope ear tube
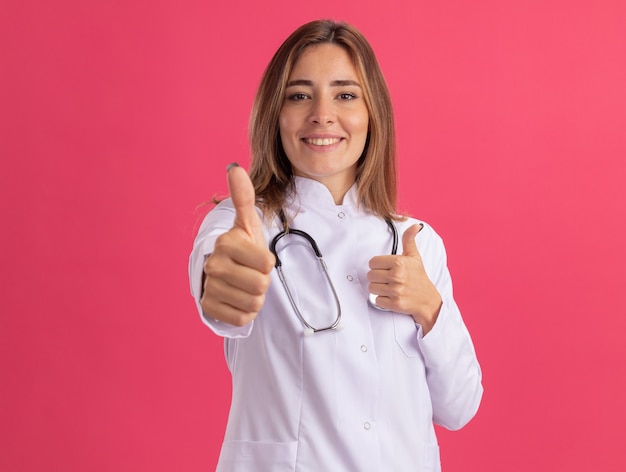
x=394, y=234
x=297, y=232
x=337, y=324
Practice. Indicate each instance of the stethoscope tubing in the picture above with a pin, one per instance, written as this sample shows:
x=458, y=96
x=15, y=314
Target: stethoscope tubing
x=309, y=329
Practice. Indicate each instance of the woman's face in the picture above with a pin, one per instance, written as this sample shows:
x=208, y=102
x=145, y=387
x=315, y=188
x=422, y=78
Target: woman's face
x=324, y=120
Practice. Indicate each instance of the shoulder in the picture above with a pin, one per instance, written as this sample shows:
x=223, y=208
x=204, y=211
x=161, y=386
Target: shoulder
x=222, y=214
x=429, y=242
x=427, y=231
x=221, y=218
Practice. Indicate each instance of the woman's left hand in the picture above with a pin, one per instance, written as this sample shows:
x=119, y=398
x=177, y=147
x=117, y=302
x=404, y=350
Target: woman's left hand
x=401, y=284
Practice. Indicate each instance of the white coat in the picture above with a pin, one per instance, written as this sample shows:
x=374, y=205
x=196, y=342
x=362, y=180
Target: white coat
x=363, y=398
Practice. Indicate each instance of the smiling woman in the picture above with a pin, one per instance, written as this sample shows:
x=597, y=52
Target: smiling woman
x=367, y=386
x=271, y=170
x=324, y=120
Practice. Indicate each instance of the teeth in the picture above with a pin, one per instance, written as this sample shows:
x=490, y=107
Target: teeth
x=322, y=141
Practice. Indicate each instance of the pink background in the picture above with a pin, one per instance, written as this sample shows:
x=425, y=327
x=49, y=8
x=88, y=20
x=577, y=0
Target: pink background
x=117, y=121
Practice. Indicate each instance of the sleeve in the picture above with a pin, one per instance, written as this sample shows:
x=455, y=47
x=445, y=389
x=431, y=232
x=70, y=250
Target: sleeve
x=217, y=222
x=453, y=373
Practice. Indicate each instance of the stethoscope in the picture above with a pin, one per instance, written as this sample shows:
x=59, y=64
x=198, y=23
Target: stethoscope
x=308, y=328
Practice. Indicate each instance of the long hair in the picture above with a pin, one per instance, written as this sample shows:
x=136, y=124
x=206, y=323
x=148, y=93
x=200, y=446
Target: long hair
x=271, y=171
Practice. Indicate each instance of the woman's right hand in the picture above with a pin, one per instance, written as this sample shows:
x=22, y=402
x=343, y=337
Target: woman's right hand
x=237, y=273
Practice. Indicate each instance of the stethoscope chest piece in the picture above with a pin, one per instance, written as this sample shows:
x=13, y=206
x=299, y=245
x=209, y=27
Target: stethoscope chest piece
x=372, y=301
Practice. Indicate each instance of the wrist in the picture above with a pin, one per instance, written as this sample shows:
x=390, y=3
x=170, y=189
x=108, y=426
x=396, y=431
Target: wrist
x=428, y=317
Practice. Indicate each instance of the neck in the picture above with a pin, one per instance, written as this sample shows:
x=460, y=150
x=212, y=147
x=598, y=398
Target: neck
x=337, y=187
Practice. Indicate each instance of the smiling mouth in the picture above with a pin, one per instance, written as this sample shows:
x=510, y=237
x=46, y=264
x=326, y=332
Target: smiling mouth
x=321, y=141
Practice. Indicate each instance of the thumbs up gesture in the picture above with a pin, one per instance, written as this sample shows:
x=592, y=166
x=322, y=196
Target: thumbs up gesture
x=402, y=285
x=237, y=273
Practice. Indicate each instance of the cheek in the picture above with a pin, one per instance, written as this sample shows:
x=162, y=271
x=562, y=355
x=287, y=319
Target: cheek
x=283, y=129
x=359, y=123
x=287, y=121
x=281, y=124
x=286, y=134
x=360, y=132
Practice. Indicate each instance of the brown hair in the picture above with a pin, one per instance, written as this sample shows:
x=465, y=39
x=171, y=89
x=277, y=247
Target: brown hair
x=270, y=170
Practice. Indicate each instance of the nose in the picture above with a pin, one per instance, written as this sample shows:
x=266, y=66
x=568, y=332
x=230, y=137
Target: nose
x=322, y=112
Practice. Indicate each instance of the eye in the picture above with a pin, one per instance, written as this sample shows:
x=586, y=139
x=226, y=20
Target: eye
x=346, y=96
x=296, y=97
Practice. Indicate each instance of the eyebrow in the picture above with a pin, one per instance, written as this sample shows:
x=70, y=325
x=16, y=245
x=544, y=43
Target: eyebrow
x=334, y=83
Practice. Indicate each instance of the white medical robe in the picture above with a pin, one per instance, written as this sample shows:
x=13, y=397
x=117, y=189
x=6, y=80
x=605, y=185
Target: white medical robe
x=363, y=398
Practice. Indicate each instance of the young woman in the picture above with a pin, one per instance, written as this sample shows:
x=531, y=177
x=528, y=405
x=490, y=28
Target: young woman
x=341, y=332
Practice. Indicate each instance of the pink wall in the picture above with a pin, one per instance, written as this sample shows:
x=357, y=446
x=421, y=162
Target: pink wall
x=118, y=119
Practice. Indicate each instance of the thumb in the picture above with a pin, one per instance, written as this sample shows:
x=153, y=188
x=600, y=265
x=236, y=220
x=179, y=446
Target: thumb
x=409, y=246
x=242, y=195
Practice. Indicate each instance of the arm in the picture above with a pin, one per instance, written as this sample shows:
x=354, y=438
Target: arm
x=230, y=266
x=452, y=370
x=418, y=283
